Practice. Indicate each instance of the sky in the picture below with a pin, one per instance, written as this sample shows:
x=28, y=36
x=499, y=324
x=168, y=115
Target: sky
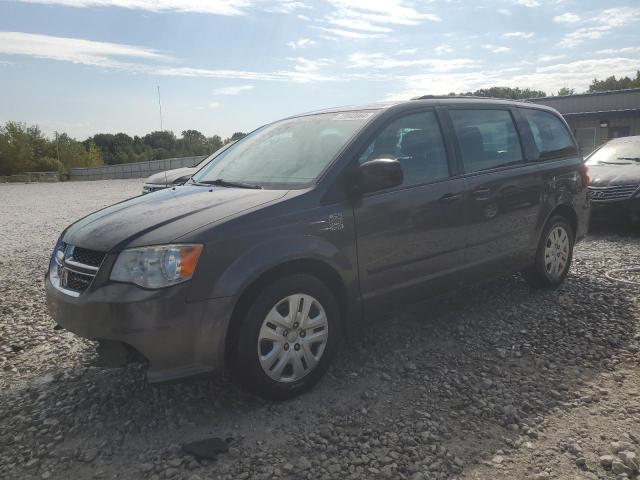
x=88, y=66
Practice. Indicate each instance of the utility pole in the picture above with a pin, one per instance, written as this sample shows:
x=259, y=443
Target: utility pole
x=160, y=106
x=57, y=147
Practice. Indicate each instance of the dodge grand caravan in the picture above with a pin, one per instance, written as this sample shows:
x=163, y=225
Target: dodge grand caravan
x=276, y=245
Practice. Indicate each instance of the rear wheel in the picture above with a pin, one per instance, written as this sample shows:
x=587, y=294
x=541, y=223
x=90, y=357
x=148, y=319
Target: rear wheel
x=554, y=255
x=288, y=337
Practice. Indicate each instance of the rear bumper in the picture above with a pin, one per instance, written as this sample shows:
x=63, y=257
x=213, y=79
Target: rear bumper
x=177, y=337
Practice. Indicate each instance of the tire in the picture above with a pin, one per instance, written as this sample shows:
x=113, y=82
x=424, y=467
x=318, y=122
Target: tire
x=554, y=255
x=276, y=356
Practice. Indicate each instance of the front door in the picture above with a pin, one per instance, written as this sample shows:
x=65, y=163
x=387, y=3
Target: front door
x=410, y=237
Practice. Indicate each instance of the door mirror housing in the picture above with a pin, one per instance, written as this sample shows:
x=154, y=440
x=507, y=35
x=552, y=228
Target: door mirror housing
x=378, y=174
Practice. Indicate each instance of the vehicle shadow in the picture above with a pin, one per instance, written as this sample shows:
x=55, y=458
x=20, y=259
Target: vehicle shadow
x=454, y=378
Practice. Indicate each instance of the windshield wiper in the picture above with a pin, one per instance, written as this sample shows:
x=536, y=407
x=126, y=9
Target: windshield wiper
x=220, y=182
x=636, y=159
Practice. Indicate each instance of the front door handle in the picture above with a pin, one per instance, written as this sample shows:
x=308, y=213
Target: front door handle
x=450, y=197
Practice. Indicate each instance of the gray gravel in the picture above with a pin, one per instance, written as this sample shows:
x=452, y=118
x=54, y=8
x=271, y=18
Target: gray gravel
x=500, y=382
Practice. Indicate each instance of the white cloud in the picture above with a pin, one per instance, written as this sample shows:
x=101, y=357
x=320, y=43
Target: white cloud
x=496, y=48
x=214, y=104
x=600, y=24
x=443, y=49
x=408, y=51
x=278, y=76
x=303, y=42
x=214, y=7
x=518, y=34
x=348, y=33
x=578, y=36
x=617, y=17
x=528, y=3
x=550, y=58
x=307, y=65
x=107, y=55
x=74, y=50
x=233, y=90
x=217, y=7
x=567, y=17
x=382, y=61
x=358, y=25
x=396, y=12
x=286, y=6
x=504, y=11
x=359, y=19
x=617, y=51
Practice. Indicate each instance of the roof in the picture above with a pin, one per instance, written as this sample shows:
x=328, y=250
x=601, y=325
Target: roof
x=428, y=100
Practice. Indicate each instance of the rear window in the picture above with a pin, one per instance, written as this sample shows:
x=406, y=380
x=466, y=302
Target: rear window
x=487, y=138
x=550, y=134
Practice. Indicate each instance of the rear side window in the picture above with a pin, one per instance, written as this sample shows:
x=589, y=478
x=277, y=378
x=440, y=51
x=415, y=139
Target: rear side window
x=550, y=134
x=487, y=138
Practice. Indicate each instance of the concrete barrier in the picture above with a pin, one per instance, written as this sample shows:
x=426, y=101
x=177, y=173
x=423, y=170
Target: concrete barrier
x=132, y=170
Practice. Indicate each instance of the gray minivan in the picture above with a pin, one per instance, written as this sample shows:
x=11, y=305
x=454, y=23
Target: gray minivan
x=309, y=224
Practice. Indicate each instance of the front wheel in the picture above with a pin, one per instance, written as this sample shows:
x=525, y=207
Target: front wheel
x=288, y=337
x=554, y=255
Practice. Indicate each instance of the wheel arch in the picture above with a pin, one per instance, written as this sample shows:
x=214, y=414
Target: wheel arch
x=567, y=211
x=309, y=266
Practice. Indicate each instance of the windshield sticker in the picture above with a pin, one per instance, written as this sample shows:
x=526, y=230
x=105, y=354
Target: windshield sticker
x=353, y=115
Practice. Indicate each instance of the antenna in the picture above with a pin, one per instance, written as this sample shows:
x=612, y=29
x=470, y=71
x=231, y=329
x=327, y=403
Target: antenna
x=160, y=105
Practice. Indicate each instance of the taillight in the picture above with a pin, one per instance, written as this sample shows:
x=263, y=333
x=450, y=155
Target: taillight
x=587, y=180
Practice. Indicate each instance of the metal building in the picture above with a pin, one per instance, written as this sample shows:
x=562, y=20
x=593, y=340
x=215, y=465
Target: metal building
x=597, y=117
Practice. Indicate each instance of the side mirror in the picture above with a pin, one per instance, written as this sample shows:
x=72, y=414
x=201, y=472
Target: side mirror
x=378, y=174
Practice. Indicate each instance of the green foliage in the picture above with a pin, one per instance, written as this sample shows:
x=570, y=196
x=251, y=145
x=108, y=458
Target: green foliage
x=613, y=83
x=564, y=91
x=25, y=149
x=504, y=92
x=235, y=137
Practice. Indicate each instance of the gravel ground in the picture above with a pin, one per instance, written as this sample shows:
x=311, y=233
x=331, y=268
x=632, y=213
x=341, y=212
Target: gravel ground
x=502, y=382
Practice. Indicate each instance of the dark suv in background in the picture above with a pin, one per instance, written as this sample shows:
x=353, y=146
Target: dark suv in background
x=316, y=221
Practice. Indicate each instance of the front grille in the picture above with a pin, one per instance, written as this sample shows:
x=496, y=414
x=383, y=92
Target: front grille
x=92, y=258
x=617, y=192
x=78, y=282
x=75, y=268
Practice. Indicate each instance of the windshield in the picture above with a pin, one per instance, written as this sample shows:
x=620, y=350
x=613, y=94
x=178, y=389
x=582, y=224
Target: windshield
x=290, y=153
x=617, y=152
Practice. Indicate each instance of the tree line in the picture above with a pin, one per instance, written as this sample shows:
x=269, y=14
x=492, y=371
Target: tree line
x=608, y=84
x=24, y=148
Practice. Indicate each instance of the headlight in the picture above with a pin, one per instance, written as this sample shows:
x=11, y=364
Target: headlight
x=158, y=266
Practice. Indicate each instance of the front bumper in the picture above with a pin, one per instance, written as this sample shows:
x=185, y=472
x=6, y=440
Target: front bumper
x=616, y=209
x=177, y=337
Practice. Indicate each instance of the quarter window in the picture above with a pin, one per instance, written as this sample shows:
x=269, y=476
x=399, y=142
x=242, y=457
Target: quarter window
x=416, y=142
x=550, y=135
x=487, y=138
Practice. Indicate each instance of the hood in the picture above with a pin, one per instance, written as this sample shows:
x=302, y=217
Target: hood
x=170, y=176
x=163, y=216
x=604, y=175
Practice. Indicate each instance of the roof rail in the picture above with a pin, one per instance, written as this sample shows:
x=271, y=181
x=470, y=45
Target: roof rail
x=449, y=97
